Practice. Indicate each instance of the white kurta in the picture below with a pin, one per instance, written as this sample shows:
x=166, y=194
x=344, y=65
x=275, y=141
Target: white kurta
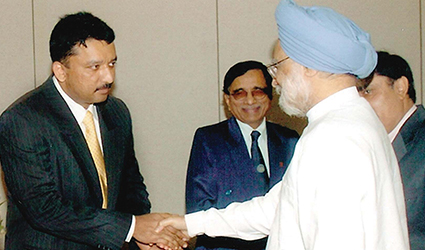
x=342, y=189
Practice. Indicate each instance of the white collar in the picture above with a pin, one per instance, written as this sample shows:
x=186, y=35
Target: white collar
x=400, y=124
x=332, y=102
x=247, y=130
x=77, y=110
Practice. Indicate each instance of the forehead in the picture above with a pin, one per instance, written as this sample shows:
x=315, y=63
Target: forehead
x=380, y=81
x=95, y=48
x=278, y=52
x=251, y=79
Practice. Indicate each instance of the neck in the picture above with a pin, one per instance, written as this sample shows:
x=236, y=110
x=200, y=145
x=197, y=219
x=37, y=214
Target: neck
x=324, y=86
x=407, y=104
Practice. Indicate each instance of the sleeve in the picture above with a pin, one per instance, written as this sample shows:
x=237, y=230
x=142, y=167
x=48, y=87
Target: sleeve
x=29, y=168
x=201, y=189
x=133, y=197
x=250, y=220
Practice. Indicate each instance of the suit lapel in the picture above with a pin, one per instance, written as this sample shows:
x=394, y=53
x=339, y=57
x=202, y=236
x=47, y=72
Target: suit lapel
x=61, y=116
x=407, y=132
x=399, y=147
x=275, y=163
x=239, y=152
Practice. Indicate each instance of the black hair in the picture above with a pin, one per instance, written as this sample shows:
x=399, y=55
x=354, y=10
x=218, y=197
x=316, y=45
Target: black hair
x=394, y=67
x=75, y=29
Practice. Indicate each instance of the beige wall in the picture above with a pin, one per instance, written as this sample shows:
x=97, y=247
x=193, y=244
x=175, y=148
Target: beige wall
x=172, y=56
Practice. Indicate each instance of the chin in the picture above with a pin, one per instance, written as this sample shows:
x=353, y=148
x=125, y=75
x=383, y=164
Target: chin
x=100, y=100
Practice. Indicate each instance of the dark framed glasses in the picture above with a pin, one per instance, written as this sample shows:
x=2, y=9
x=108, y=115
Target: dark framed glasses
x=241, y=94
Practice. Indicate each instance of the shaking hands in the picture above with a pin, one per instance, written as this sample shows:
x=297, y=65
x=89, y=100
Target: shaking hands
x=161, y=230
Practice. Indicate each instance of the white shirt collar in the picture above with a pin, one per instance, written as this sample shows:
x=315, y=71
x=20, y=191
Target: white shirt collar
x=332, y=102
x=262, y=140
x=246, y=129
x=77, y=110
x=397, y=128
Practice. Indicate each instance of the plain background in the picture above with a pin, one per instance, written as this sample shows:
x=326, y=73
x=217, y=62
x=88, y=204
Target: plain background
x=172, y=56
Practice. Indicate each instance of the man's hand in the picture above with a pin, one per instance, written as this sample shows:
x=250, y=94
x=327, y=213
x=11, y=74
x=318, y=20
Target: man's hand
x=175, y=221
x=147, y=247
x=168, y=238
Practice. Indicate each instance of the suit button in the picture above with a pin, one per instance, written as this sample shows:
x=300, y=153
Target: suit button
x=229, y=192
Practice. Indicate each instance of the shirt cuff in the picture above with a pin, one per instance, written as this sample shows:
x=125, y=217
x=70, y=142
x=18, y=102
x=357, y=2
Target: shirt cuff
x=131, y=231
x=195, y=223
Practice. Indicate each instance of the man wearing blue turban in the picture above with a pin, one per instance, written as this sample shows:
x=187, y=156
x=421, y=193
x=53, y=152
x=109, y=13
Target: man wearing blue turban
x=342, y=189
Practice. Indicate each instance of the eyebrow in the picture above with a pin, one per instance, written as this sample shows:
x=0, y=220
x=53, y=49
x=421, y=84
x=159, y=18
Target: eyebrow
x=100, y=61
x=255, y=88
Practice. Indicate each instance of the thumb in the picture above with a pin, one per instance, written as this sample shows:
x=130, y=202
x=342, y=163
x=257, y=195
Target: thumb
x=162, y=224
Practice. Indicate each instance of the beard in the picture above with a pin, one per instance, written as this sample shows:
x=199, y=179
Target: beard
x=294, y=93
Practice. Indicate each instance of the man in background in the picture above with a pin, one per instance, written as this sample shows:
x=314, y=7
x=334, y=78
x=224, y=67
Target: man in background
x=392, y=95
x=242, y=157
x=66, y=149
x=342, y=189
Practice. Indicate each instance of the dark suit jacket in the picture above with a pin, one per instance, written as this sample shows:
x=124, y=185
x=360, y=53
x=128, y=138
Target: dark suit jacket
x=54, y=195
x=409, y=146
x=220, y=172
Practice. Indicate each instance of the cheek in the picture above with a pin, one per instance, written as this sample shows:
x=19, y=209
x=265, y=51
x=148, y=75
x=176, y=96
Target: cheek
x=266, y=105
x=233, y=108
x=381, y=107
x=376, y=103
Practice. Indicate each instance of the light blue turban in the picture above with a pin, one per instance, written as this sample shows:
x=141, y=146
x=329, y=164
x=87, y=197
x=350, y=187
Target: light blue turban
x=321, y=39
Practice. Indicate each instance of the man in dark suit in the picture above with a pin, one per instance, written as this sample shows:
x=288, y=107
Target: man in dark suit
x=66, y=149
x=222, y=167
x=392, y=95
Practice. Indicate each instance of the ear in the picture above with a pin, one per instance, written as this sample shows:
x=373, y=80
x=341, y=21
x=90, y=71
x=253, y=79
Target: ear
x=59, y=70
x=309, y=72
x=401, y=86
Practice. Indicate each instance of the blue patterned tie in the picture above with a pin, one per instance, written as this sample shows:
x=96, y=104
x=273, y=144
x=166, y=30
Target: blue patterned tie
x=258, y=162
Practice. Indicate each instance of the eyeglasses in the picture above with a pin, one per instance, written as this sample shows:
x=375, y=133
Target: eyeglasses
x=272, y=68
x=241, y=94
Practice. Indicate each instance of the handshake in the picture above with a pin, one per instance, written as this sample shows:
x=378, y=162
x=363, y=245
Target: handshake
x=161, y=231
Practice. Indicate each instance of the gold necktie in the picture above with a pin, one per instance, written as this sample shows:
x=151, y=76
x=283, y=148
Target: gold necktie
x=97, y=155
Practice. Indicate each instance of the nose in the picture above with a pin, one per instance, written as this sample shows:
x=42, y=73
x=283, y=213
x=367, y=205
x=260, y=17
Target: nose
x=109, y=74
x=250, y=98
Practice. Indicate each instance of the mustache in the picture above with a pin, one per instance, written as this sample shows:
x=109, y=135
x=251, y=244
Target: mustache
x=106, y=86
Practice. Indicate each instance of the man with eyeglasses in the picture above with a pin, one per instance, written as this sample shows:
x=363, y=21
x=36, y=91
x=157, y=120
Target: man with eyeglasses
x=342, y=189
x=222, y=167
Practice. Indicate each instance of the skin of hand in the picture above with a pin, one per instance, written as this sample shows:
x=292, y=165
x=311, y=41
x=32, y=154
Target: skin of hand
x=147, y=247
x=176, y=221
x=169, y=238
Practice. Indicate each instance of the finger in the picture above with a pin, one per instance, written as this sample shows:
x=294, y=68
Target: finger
x=143, y=246
x=180, y=237
x=159, y=228
x=170, y=240
x=179, y=233
x=170, y=221
x=163, y=224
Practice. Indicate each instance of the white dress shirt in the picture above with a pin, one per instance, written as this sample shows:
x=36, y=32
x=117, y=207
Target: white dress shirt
x=262, y=140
